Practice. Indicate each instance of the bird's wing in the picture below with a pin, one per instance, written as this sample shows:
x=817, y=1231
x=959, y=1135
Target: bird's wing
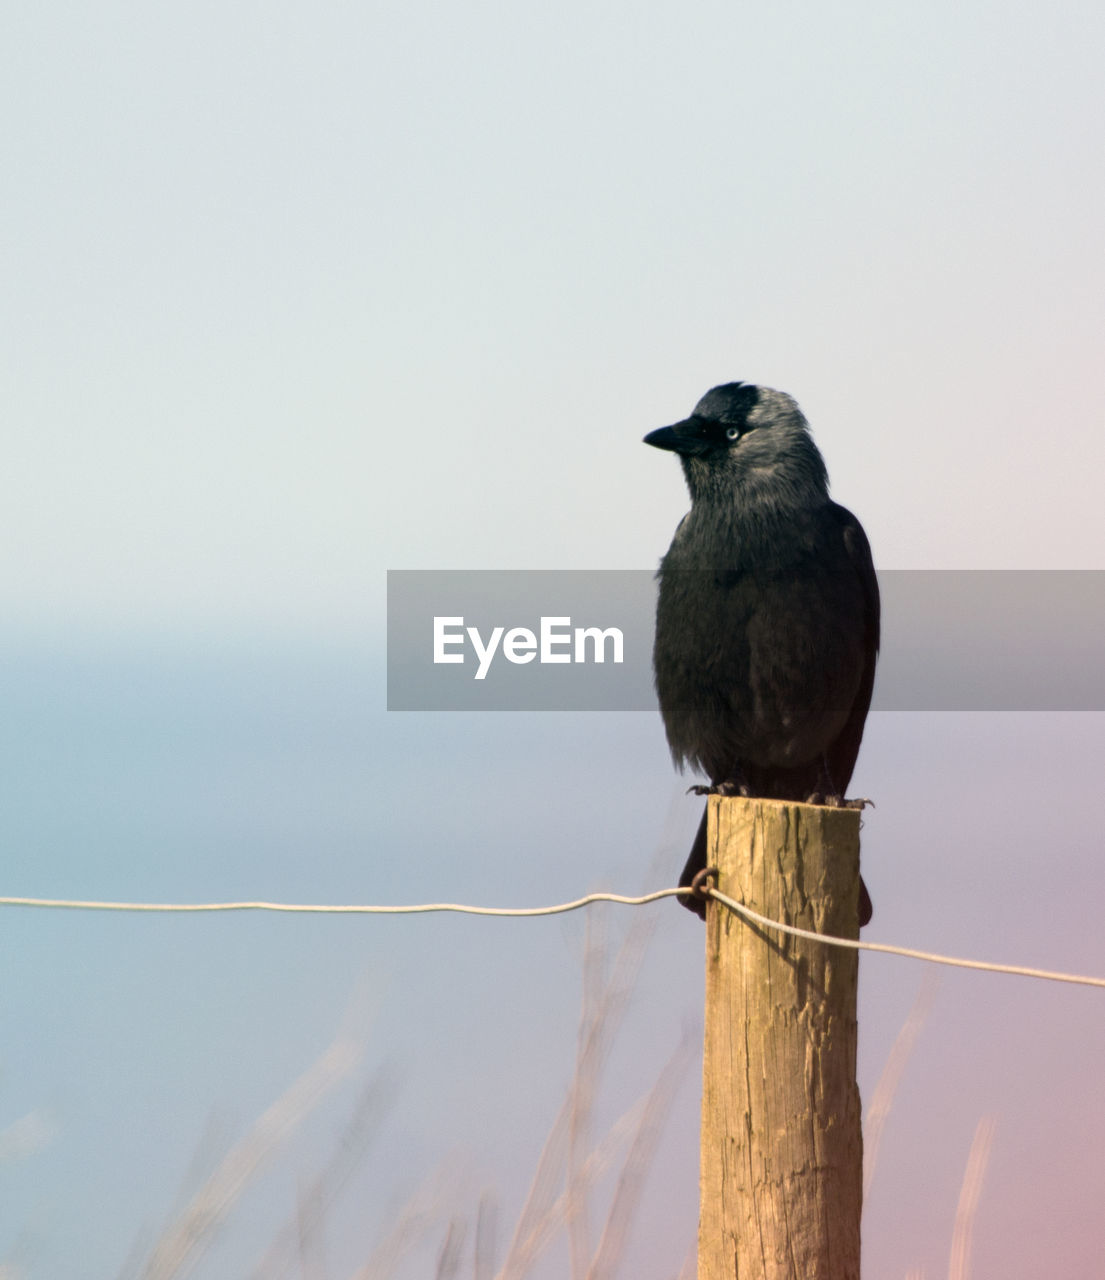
x=842, y=755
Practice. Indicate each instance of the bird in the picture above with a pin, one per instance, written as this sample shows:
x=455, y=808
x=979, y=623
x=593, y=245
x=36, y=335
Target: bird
x=767, y=615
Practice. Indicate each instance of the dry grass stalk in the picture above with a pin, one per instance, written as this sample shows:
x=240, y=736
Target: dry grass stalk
x=959, y=1267
x=184, y=1241
x=883, y=1097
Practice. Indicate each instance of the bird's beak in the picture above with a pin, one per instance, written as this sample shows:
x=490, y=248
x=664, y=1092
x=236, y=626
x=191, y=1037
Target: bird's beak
x=686, y=437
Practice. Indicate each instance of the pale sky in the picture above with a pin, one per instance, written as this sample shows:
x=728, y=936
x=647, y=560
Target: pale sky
x=294, y=294
x=299, y=294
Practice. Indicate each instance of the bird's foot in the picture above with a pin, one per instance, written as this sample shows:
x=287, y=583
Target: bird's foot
x=838, y=802
x=728, y=787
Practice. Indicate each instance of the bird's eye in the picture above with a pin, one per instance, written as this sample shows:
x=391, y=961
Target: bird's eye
x=732, y=433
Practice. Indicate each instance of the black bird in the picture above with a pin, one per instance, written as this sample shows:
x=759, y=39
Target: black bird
x=767, y=623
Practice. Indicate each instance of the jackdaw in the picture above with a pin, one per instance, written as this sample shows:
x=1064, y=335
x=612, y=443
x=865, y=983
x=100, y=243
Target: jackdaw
x=767, y=623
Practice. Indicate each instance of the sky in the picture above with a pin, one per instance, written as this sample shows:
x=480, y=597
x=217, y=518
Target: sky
x=297, y=295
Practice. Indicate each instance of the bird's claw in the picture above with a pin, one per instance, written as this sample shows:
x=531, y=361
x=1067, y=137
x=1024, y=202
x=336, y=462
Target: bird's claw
x=726, y=788
x=839, y=802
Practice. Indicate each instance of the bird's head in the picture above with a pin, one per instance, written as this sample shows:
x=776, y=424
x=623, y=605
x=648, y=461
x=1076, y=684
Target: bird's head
x=741, y=437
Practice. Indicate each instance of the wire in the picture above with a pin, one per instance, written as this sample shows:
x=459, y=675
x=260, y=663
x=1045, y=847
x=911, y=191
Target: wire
x=931, y=956
x=75, y=904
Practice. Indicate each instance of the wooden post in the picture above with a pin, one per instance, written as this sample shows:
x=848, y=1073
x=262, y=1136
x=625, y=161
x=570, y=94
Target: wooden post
x=782, y=1150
